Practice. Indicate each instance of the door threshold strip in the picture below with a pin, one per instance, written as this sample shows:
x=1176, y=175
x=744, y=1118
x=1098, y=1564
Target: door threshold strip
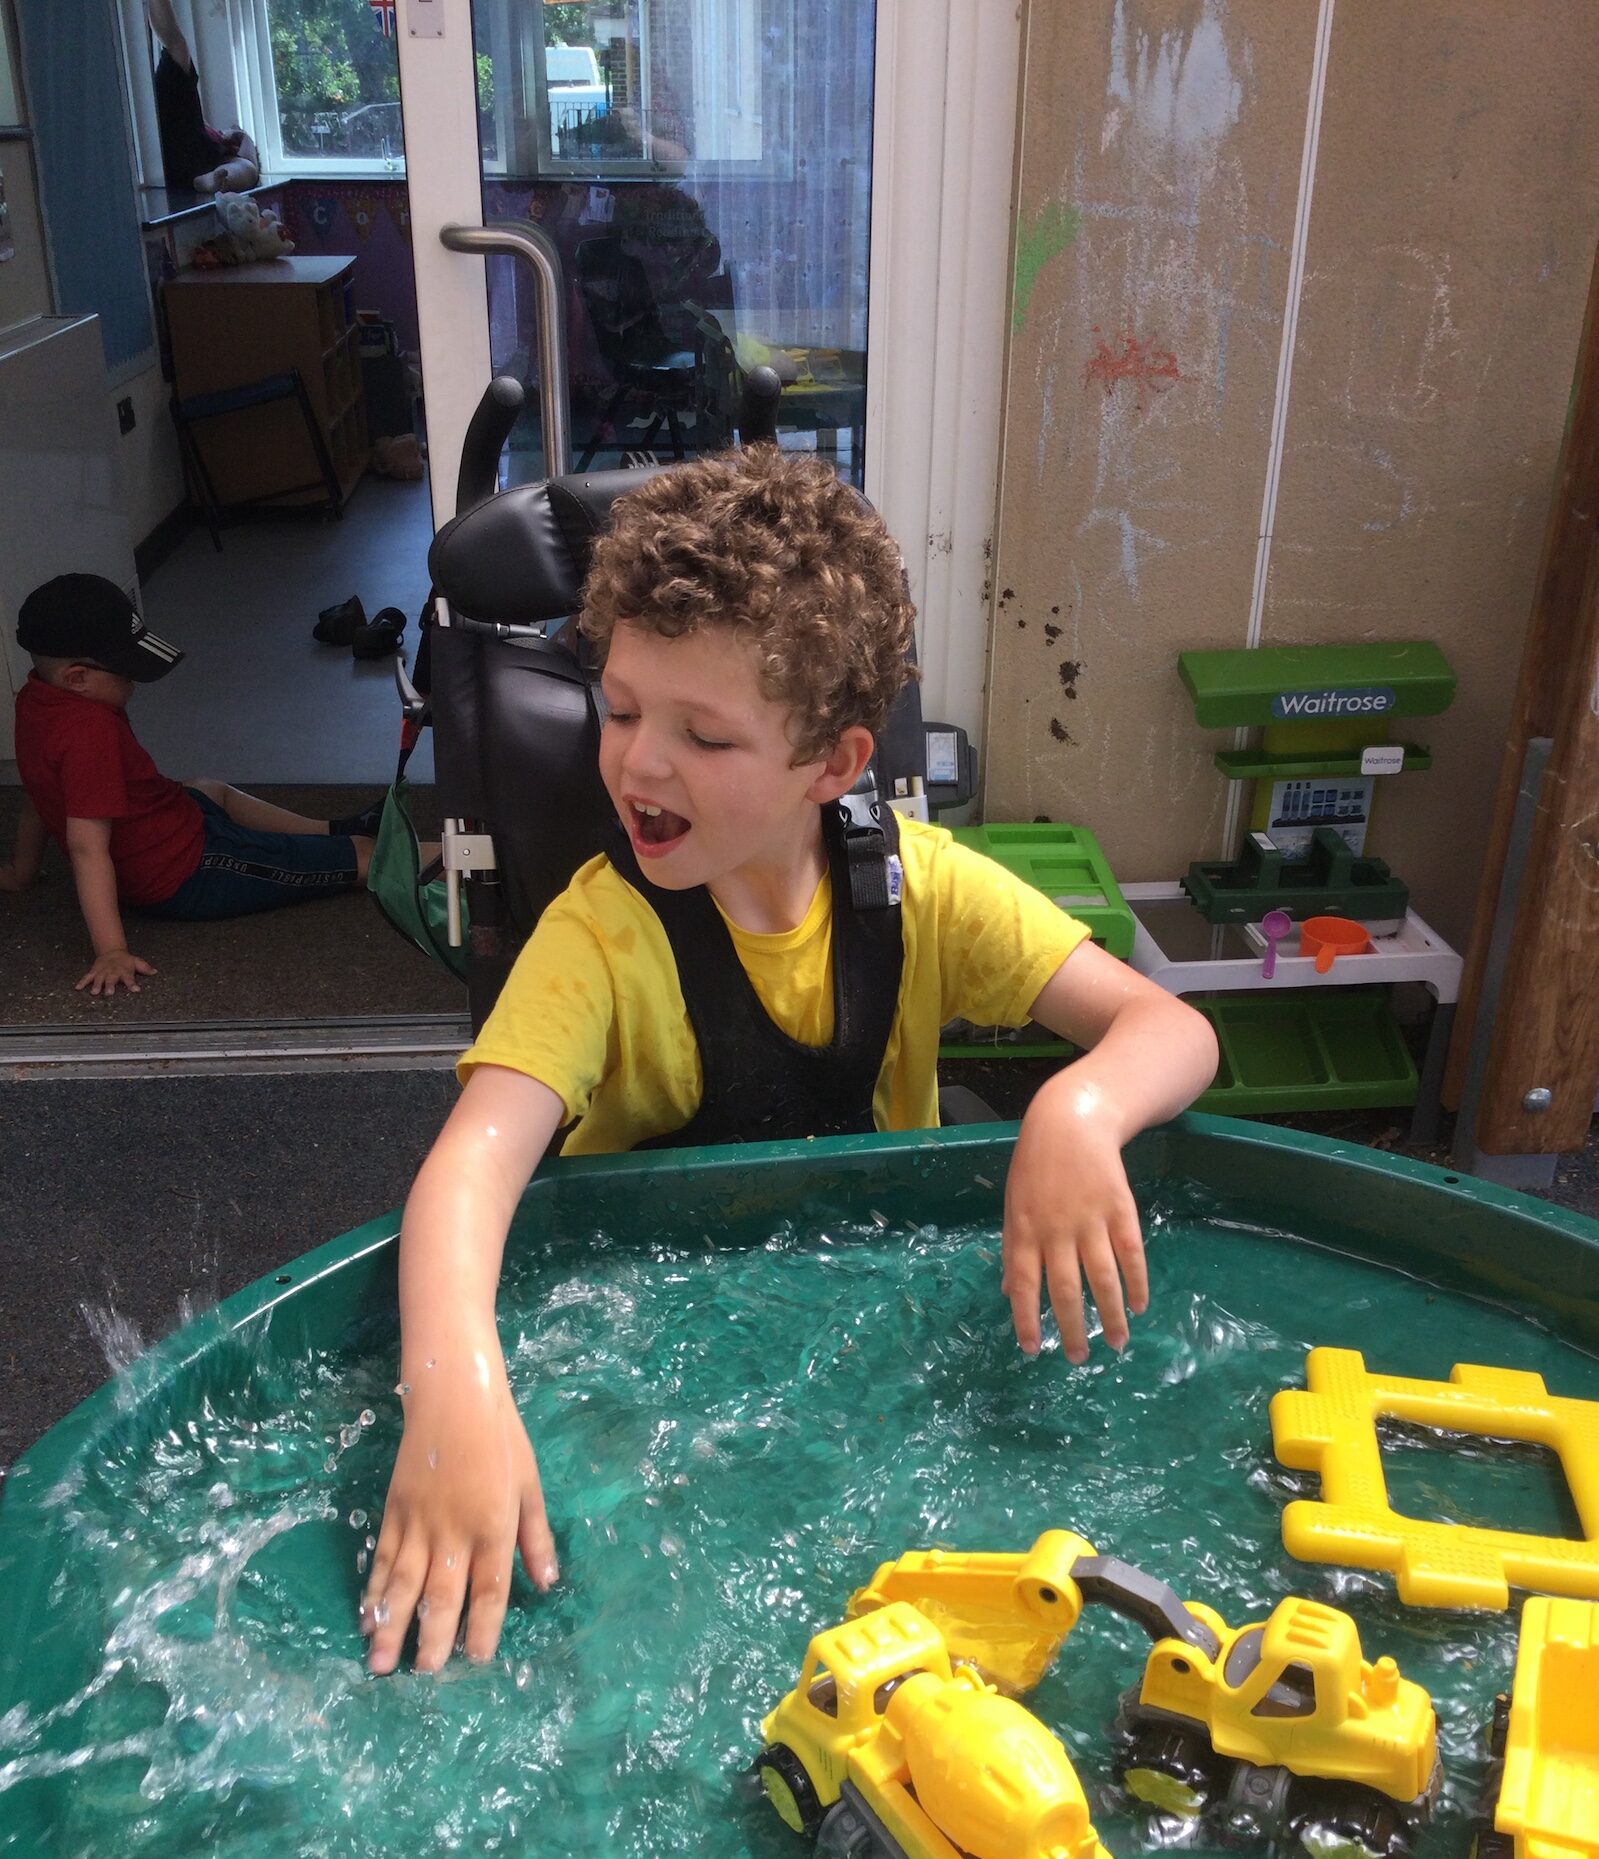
x=390, y=1042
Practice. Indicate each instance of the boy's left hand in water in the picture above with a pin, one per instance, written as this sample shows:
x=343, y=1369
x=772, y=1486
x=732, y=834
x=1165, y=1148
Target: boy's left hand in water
x=1070, y=1217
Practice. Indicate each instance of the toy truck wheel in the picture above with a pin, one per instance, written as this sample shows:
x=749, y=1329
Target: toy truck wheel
x=1359, y=1828
x=848, y=1832
x=789, y=1789
x=1491, y=1845
x=1166, y=1769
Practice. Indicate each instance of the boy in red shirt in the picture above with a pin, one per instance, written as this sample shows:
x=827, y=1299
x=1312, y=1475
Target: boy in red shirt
x=194, y=852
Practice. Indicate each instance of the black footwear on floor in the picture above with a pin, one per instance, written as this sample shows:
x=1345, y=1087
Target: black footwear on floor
x=339, y=625
x=382, y=636
x=364, y=824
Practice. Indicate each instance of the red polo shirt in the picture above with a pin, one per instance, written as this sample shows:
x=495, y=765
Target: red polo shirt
x=80, y=760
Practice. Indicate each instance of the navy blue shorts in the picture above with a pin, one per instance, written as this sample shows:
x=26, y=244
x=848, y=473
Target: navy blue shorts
x=242, y=871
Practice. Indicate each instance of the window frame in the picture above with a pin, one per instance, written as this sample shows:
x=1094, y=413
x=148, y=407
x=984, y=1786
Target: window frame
x=257, y=83
x=776, y=160
x=233, y=48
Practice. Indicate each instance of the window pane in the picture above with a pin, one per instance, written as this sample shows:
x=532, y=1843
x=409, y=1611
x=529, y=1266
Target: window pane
x=338, y=78
x=704, y=169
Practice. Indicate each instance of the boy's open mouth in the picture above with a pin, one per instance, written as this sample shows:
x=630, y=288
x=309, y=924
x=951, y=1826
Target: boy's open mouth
x=655, y=829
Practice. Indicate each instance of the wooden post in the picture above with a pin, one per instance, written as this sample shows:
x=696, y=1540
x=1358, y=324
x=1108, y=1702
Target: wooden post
x=1546, y=1030
x=1551, y=670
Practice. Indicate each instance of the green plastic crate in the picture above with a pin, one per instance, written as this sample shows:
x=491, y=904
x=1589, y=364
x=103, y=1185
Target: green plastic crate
x=1066, y=864
x=1310, y=1049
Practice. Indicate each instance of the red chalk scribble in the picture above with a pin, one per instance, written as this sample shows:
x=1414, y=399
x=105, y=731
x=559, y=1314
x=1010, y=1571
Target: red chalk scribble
x=1138, y=362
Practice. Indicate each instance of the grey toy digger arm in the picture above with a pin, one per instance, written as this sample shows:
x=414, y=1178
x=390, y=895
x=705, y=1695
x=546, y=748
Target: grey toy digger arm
x=1142, y=1599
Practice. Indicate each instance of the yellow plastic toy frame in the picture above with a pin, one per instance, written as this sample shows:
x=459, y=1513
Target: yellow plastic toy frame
x=1331, y=1428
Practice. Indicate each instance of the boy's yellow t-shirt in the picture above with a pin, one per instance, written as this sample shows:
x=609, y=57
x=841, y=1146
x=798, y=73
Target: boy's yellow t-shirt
x=593, y=1008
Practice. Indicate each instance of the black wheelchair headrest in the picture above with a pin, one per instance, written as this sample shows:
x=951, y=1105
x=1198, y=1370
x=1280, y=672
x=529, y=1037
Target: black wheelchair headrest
x=521, y=558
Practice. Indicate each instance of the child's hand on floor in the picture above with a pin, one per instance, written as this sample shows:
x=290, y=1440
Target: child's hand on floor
x=464, y=1496
x=113, y=969
x=1070, y=1216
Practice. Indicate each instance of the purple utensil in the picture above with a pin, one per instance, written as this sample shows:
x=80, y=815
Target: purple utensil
x=1274, y=926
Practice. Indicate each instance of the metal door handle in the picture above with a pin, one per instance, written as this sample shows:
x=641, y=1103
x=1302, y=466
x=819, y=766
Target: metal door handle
x=519, y=239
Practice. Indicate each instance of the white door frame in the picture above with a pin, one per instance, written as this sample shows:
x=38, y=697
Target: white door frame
x=939, y=293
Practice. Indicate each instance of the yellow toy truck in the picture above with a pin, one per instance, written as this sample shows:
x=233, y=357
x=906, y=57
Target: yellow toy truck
x=884, y=1750
x=1543, y=1783
x=1278, y=1730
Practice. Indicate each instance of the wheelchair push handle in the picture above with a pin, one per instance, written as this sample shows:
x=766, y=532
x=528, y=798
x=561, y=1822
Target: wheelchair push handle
x=762, y=391
x=492, y=419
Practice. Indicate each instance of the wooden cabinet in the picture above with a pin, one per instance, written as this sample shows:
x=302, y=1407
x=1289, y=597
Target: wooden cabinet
x=231, y=327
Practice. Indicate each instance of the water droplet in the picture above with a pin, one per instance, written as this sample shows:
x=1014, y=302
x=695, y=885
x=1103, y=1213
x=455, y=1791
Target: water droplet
x=433, y=1457
x=422, y=1608
x=671, y=1545
x=366, y=1416
x=371, y=1542
x=402, y=1388
x=380, y=1610
x=330, y=1464
x=357, y=1519
x=220, y=1495
x=360, y=1562
x=348, y=1436
x=432, y=1362
x=449, y=1562
x=524, y=1676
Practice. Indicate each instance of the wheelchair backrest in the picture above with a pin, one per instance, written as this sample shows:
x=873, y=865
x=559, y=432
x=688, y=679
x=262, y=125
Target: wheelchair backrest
x=515, y=724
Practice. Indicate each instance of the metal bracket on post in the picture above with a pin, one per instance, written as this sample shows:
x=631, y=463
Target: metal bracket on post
x=462, y=852
x=1509, y=1171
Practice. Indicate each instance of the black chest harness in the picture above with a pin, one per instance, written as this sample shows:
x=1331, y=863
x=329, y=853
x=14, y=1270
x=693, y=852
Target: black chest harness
x=760, y=1085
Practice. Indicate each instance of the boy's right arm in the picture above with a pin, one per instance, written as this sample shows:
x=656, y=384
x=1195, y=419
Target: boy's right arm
x=465, y=1491
x=89, y=848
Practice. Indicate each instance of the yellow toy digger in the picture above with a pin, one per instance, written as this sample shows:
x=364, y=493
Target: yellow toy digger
x=1277, y=1730
x=884, y=1750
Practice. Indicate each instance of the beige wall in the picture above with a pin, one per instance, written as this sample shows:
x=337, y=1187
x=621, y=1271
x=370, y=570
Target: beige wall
x=1451, y=232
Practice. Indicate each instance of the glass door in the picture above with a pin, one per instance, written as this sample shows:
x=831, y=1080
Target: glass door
x=701, y=171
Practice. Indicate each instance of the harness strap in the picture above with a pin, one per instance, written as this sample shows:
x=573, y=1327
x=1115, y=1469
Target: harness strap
x=760, y=1085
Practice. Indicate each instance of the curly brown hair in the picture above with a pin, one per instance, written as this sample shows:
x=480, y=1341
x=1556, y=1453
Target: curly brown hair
x=773, y=547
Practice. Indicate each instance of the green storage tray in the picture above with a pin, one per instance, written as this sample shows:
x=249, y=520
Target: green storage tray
x=1066, y=864
x=1329, y=881
x=1307, y=1049
x=1299, y=764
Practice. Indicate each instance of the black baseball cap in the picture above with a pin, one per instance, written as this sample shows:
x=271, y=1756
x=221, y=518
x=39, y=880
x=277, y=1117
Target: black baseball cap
x=85, y=616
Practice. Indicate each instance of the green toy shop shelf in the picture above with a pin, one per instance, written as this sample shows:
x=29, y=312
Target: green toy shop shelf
x=1066, y=864
x=1297, y=764
x=1411, y=678
x=1322, y=1049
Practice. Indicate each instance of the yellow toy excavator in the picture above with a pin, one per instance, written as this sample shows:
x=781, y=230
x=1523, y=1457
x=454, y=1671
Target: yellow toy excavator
x=1278, y=1729
x=884, y=1750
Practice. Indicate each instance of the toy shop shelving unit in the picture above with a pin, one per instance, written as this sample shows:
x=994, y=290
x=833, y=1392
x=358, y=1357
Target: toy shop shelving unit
x=1303, y=1040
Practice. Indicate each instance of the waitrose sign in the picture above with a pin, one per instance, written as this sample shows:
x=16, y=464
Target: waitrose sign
x=1361, y=701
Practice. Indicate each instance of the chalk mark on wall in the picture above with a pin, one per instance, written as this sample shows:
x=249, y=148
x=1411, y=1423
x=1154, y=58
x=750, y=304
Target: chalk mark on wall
x=1050, y=231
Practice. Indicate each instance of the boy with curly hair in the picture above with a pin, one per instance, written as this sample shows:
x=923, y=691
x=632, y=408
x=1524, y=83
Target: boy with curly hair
x=721, y=974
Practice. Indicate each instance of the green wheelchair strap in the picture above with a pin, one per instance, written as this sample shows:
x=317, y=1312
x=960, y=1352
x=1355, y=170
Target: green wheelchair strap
x=394, y=877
